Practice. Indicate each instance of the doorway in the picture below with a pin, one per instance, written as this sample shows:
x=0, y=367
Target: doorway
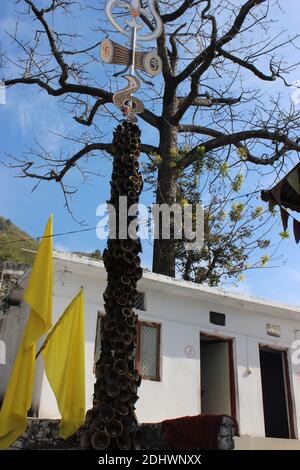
x=276, y=390
x=218, y=393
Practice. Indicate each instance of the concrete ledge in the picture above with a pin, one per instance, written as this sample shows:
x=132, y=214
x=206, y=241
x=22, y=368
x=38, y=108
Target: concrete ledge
x=265, y=443
x=43, y=434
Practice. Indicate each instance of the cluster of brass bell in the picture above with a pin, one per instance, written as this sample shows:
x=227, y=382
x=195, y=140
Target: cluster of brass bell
x=112, y=423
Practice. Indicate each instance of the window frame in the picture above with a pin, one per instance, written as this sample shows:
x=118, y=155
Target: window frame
x=157, y=326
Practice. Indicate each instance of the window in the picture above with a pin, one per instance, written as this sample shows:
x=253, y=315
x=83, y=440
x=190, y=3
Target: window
x=148, y=350
x=217, y=318
x=139, y=302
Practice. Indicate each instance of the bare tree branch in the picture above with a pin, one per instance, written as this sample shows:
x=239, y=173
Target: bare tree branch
x=236, y=139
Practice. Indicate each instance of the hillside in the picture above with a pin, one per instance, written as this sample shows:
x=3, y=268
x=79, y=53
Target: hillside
x=13, y=251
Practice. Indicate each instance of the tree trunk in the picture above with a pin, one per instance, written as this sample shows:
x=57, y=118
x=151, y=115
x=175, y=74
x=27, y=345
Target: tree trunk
x=164, y=250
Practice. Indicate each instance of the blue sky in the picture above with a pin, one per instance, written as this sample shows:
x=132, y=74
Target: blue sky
x=31, y=113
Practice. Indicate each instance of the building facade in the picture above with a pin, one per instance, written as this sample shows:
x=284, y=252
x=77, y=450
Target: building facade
x=200, y=350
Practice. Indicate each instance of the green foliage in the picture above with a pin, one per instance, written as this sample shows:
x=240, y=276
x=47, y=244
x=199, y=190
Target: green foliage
x=243, y=153
x=236, y=211
x=237, y=183
x=264, y=260
x=224, y=169
x=284, y=235
x=230, y=238
x=96, y=254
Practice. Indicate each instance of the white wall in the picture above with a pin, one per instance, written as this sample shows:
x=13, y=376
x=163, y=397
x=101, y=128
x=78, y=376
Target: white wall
x=183, y=314
x=11, y=328
x=215, y=378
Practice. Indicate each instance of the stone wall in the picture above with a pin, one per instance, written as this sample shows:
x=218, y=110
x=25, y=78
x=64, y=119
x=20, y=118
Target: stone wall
x=43, y=434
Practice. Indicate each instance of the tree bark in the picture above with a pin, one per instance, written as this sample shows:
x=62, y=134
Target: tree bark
x=164, y=250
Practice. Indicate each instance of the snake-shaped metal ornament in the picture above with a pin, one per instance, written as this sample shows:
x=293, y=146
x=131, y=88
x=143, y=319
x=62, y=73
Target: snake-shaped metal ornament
x=124, y=100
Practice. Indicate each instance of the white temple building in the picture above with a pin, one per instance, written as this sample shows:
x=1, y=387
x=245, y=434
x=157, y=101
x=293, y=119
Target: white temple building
x=200, y=350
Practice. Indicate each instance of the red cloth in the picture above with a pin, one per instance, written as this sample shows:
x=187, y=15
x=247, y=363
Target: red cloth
x=194, y=432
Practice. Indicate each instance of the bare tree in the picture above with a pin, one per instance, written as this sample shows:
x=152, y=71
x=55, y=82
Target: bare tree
x=210, y=51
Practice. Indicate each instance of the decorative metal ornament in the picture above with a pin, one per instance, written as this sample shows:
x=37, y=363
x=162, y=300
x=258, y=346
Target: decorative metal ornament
x=112, y=422
x=124, y=99
x=113, y=53
x=135, y=10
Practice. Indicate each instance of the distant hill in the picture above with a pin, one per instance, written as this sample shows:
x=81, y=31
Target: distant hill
x=94, y=255
x=13, y=251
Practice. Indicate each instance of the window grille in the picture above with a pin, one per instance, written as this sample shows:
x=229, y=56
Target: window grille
x=148, y=350
x=139, y=302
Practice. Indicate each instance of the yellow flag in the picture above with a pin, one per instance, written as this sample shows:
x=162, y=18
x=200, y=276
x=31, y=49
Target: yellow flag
x=63, y=354
x=38, y=294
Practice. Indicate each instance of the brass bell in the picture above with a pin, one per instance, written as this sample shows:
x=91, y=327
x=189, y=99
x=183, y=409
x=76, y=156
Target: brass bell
x=117, y=253
x=95, y=425
x=139, y=273
x=99, y=372
x=100, y=440
x=129, y=423
x=114, y=428
x=127, y=338
x=127, y=312
x=88, y=417
x=125, y=280
x=123, y=382
x=119, y=346
x=107, y=413
x=137, y=261
x=131, y=321
x=137, y=188
x=124, y=396
x=137, y=440
x=138, y=378
x=97, y=405
x=113, y=390
x=116, y=337
x=110, y=325
x=132, y=195
x=130, y=376
x=121, y=327
x=121, y=366
x=128, y=244
x=133, y=387
x=106, y=346
x=128, y=257
x=108, y=361
x=124, y=441
x=85, y=440
x=133, y=399
x=130, y=269
x=111, y=376
x=121, y=409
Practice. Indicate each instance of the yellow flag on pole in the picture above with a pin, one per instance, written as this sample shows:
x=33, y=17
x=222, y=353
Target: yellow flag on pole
x=63, y=353
x=38, y=294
